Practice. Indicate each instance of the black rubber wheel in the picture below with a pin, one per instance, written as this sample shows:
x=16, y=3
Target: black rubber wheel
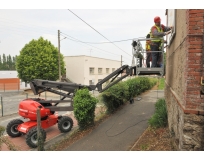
x=65, y=124
x=11, y=128
x=32, y=139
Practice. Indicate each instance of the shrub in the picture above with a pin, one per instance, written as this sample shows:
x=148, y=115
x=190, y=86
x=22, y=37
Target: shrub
x=2, y=129
x=159, y=118
x=134, y=87
x=84, y=108
x=121, y=92
x=115, y=96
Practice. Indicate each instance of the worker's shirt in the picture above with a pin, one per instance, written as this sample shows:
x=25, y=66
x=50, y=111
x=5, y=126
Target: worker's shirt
x=156, y=33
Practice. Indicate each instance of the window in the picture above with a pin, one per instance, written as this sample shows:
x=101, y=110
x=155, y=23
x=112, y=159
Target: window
x=171, y=20
x=113, y=69
x=107, y=70
x=91, y=70
x=99, y=70
x=90, y=82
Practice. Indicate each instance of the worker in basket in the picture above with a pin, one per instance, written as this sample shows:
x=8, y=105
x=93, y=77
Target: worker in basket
x=157, y=31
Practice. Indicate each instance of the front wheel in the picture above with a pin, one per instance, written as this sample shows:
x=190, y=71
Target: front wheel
x=11, y=128
x=65, y=124
x=32, y=138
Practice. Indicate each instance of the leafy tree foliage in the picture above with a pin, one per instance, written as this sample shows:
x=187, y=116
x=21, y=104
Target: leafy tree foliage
x=39, y=60
x=84, y=108
x=7, y=62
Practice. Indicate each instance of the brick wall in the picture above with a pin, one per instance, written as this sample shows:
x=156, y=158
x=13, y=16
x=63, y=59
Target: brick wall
x=7, y=84
x=195, y=61
x=185, y=68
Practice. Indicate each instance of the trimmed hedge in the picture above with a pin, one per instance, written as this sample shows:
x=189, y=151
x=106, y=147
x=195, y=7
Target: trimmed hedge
x=84, y=103
x=125, y=91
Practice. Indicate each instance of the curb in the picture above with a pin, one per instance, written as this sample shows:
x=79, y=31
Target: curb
x=9, y=115
x=138, y=139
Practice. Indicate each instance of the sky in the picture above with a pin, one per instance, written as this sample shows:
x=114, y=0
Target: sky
x=19, y=26
x=101, y=25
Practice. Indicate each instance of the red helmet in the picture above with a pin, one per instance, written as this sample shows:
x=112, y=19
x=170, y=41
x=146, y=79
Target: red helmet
x=157, y=20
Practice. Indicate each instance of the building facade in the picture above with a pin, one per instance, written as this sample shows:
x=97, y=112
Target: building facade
x=87, y=70
x=9, y=81
x=184, y=78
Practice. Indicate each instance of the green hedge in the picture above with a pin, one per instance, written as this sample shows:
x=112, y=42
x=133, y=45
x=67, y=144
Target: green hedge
x=84, y=103
x=124, y=91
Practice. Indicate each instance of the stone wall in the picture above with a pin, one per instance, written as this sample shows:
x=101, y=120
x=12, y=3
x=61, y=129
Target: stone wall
x=183, y=81
x=187, y=129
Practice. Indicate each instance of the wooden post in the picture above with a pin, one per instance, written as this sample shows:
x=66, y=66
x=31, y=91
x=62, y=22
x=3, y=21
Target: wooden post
x=2, y=108
x=39, y=135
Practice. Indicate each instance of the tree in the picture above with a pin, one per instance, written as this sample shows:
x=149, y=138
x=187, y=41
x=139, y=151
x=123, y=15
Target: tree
x=0, y=63
x=9, y=62
x=14, y=63
x=4, y=65
x=39, y=60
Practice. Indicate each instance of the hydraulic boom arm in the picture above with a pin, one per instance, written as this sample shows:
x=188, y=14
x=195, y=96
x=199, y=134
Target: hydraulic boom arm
x=38, y=86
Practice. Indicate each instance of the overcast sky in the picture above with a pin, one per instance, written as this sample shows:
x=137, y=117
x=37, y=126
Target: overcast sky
x=18, y=26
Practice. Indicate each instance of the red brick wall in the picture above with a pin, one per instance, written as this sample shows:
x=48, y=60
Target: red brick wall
x=195, y=60
x=9, y=84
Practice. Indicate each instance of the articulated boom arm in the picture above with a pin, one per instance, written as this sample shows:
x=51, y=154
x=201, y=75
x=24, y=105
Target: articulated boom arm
x=38, y=86
x=124, y=71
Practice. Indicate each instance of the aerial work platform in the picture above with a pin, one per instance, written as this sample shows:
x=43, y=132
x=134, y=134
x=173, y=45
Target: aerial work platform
x=137, y=61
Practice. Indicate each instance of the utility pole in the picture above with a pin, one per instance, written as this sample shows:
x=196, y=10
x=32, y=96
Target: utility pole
x=59, y=64
x=121, y=60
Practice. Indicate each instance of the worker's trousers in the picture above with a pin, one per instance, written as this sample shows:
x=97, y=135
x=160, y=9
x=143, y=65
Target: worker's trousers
x=155, y=55
x=148, y=59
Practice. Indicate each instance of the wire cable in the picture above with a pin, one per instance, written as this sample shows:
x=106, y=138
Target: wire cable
x=77, y=40
x=124, y=129
x=98, y=32
x=108, y=42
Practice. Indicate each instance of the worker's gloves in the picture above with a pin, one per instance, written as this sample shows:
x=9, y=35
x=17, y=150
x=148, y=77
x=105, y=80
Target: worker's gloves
x=166, y=33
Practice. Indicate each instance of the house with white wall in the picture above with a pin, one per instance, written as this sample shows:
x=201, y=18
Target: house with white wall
x=88, y=70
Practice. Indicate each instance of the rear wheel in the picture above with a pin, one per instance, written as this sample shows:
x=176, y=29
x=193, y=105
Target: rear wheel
x=65, y=124
x=11, y=128
x=32, y=138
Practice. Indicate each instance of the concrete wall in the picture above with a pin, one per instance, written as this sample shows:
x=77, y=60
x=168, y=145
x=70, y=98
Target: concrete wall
x=184, y=71
x=75, y=68
x=78, y=68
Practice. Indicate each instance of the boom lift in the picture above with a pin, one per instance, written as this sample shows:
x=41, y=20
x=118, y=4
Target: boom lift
x=28, y=107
